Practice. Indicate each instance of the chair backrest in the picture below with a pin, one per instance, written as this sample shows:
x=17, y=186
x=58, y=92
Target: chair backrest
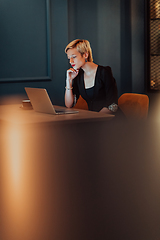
x=134, y=105
x=81, y=104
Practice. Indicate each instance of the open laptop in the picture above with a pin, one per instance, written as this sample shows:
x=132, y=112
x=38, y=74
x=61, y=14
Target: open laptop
x=41, y=102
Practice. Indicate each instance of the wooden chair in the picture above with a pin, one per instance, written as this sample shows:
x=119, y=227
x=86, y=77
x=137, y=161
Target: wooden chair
x=134, y=105
x=81, y=104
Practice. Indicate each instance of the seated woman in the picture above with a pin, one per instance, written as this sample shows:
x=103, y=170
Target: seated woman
x=93, y=82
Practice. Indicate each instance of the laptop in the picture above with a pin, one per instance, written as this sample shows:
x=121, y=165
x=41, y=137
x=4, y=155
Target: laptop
x=41, y=102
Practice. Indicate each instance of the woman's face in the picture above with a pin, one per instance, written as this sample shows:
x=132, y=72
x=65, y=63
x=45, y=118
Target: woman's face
x=75, y=58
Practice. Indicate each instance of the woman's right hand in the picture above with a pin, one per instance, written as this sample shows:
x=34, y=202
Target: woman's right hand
x=71, y=74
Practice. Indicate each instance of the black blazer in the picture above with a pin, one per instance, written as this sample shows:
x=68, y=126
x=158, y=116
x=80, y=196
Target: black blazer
x=105, y=89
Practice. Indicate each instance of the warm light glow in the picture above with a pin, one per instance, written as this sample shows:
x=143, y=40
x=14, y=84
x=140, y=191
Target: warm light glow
x=24, y=204
x=14, y=201
x=15, y=160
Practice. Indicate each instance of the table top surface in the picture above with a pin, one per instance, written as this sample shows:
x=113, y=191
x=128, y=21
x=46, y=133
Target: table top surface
x=15, y=114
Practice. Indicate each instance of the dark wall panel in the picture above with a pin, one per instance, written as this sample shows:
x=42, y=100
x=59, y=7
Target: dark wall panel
x=139, y=83
x=108, y=36
x=126, y=47
x=24, y=47
x=59, y=38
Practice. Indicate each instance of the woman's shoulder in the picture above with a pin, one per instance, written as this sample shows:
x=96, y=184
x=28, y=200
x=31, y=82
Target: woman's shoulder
x=105, y=70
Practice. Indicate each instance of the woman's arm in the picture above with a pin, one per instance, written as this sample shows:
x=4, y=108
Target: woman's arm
x=105, y=110
x=111, y=92
x=69, y=98
x=111, y=108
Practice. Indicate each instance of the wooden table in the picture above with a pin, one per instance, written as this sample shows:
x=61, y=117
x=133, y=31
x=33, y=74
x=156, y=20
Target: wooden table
x=77, y=177
x=15, y=114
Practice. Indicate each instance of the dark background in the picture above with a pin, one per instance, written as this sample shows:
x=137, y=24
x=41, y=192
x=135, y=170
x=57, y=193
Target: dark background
x=116, y=30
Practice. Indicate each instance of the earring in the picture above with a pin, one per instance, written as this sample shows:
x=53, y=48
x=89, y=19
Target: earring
x=85, y=59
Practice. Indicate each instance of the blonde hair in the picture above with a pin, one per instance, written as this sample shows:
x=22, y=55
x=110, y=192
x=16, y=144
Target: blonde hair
x=82, y=47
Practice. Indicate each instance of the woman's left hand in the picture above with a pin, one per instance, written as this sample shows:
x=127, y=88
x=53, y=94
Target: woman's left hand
x=105, y=110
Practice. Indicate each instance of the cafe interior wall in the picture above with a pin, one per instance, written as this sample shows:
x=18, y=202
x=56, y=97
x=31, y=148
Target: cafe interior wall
x=116, y=31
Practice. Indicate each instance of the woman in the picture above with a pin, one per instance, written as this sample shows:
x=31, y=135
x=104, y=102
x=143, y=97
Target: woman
x=93, y=82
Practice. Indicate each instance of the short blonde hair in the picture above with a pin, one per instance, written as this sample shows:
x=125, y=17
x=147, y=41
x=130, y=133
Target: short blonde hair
x=82, y=47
